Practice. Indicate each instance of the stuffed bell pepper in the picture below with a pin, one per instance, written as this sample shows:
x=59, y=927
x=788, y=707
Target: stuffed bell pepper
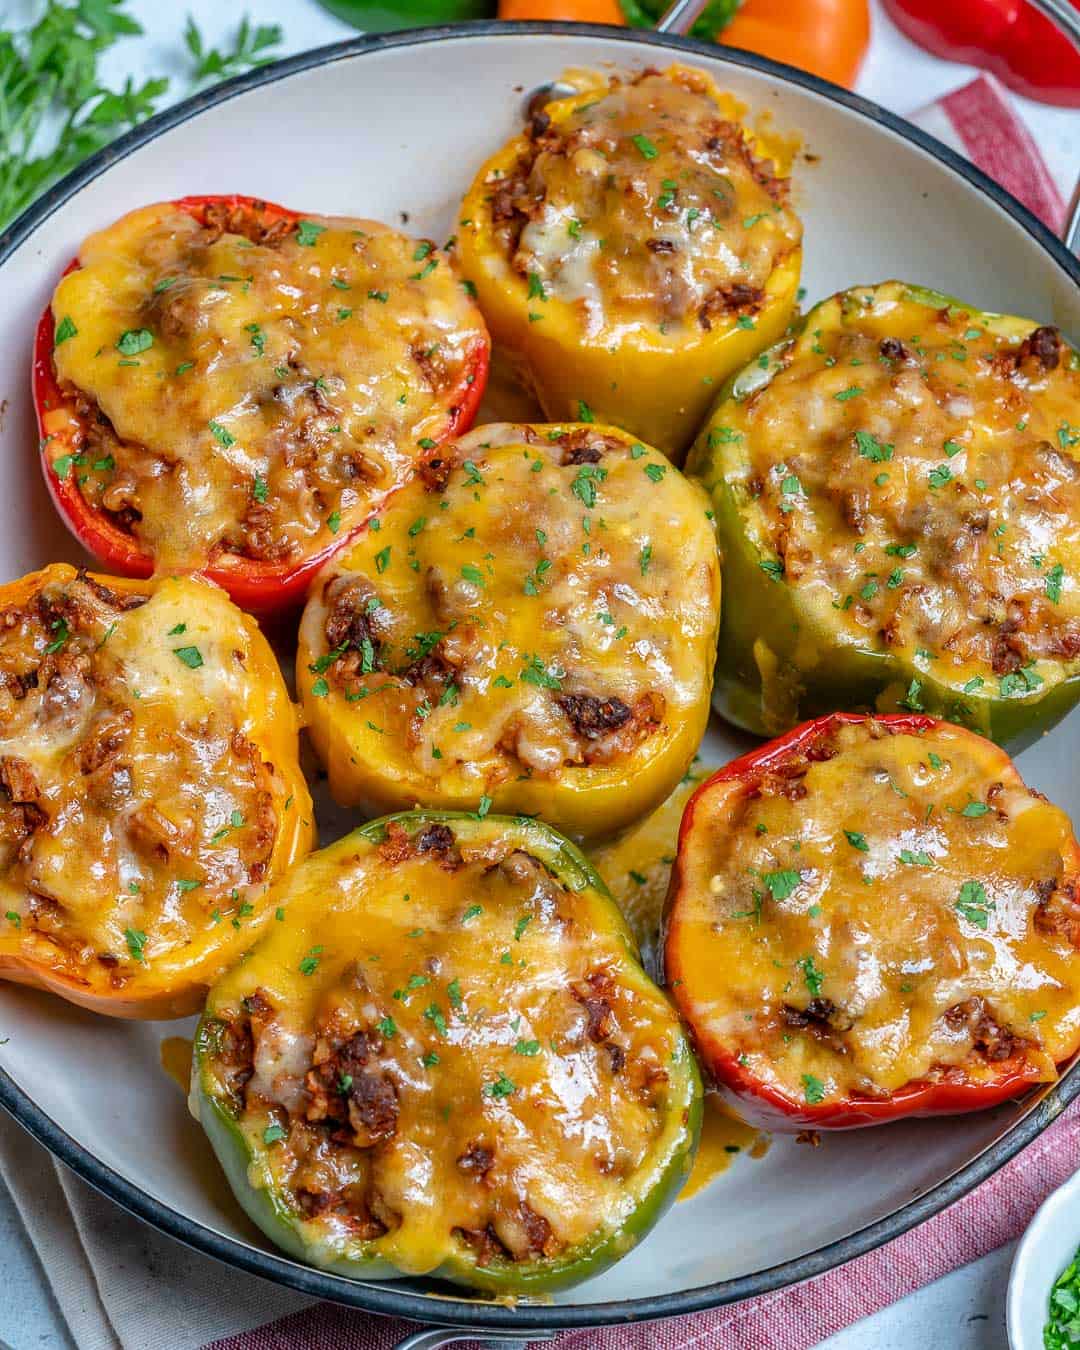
x=875, y=918
x=223, y=385
x=149, y=788
x=444, y=1059
x=531, y=628
x=633, y=247
x=897, y=495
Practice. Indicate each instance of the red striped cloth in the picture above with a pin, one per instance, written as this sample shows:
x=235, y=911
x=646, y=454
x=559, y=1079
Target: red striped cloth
x=977, y=121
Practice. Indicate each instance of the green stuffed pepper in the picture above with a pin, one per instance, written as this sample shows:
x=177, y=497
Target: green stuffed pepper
x=897, y=499
x=446, y=1059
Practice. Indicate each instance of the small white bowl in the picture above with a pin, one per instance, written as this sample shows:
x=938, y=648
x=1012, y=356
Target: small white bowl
x=1045, y=1250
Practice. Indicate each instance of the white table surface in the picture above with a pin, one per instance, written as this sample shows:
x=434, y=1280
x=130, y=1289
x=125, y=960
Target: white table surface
x=962, y=1311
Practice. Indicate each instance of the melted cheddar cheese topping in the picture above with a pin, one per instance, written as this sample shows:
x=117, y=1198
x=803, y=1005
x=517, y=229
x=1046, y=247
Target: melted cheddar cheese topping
x=444, y=1050
x=255, y=388
x=910, y=470
x=642, y=204
x=545, y=610
x=138, y=817
x=882, y=911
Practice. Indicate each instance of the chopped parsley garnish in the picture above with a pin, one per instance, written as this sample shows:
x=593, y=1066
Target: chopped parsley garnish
x=782, y=883
x=136, y=943
x=382, y=559
x=387, y=1028
x=333, y=522
x=939, y=476
x=973, y=905
x=502, y=1087
x=853, y=391
x=273, y=1133
x=1019, y=682
x=190, y=656
x=528, y=1048
x=645, y=146
x=310, y=963
x=307, y=232
x=536, y=287
x=134, y=341
x=772, y=568
x=1054, y=579
x=223, y=437
x=584, y=485
x=916, y=858
x=64, y=329
x=871, y=448
x=975, y=809
x=857, y=840
x=536, y=673
x=260, y=488
x=814, y=978
x=645, y=558
x=813, y=1089
x=471, y=913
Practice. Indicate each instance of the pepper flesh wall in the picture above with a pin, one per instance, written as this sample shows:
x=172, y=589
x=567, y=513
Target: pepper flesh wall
x=897, y=494
x=445, y=1059
x=632, y=247
x=229, y=385
x=874, y=918
x=531, y=627
x=151, y=790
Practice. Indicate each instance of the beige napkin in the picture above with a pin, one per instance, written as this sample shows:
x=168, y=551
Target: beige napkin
x=120, y=1284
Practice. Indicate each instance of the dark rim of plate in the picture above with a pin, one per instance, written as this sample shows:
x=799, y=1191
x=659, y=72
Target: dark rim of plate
x=430, y=1302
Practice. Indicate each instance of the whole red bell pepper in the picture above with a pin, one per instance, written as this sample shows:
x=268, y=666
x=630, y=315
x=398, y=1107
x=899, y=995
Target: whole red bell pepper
x=261, y=587
x=1010, y=38
x=699, y=946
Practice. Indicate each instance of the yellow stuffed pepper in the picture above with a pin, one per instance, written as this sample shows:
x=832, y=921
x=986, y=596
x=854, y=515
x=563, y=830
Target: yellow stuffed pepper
x=151, y=790
x=632, y=250
x=533, y=630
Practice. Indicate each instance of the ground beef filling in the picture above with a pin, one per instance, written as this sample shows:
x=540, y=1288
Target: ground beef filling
x=664, y=189
x=931, y=536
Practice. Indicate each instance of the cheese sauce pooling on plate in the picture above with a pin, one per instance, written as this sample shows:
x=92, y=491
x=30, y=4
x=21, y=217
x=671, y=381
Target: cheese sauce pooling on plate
x=255, y=388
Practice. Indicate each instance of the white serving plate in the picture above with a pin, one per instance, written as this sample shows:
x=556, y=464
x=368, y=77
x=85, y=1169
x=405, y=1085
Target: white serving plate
x=383, y=126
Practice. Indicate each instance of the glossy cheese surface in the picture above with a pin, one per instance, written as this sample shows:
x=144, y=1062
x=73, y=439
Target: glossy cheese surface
x=142, y=814
x=885, y=909
x=540, y=618
x=640, y=202
x=909, y=470
x=446, y=1052
x=255, y=389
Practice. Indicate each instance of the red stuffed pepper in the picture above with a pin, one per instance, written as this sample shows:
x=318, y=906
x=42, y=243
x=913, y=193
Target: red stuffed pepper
x=872, y=918
x=225, y=386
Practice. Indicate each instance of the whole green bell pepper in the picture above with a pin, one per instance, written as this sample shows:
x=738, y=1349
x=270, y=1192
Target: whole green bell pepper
x=385, y=16
x=446, y=1059
x=897, y=501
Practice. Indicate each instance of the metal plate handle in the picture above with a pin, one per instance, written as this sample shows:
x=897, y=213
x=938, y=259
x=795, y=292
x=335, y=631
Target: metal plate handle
x=434, y=1338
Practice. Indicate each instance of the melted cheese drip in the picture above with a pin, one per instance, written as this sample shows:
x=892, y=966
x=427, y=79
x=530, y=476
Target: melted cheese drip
x=176, y=1054
x=469, y=976
x=536, y=579
x=723, y=1137
x=146, y=862
x=926, y=506
x=636, y=867
x=888, y=892
x=650, y=204
x=284, y=388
